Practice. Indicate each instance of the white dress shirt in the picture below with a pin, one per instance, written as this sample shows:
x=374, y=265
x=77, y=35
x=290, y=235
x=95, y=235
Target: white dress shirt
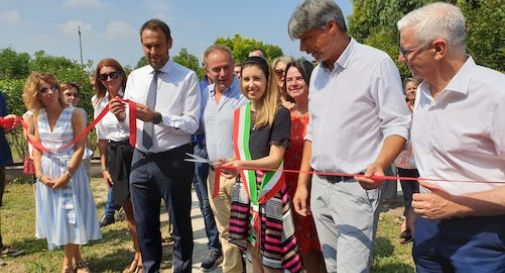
x=461, y=134
x=177, y=100
x=353, y=108
x=109, y=127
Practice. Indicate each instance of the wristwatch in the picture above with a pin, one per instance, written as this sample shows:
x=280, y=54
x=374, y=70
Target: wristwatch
x=157, y=118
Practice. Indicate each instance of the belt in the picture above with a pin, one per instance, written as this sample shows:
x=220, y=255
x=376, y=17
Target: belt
x=177, y=151
x=337, y=178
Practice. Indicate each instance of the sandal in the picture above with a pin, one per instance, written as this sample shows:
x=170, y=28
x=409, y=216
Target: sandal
x=82, y=267
x=12, y=252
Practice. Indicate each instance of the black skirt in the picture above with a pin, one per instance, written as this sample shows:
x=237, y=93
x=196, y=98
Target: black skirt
x=120, y=161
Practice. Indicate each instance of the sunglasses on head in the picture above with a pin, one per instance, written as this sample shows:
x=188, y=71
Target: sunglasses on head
x=44, y=90
x=105, y=76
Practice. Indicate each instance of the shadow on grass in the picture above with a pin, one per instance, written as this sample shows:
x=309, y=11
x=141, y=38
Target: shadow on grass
x=383, y=247
x=393, y=268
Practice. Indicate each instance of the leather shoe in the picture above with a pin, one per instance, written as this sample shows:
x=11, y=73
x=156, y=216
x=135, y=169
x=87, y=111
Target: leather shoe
x=107, y=220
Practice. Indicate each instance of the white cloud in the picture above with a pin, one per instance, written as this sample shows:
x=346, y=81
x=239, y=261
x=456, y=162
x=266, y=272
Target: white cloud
x=9, y=17
x=119, y=30
x=70, y=27
x=82, y=3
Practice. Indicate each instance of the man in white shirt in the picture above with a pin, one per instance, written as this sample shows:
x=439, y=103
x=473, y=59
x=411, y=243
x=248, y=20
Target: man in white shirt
x=458, y=135
x=359, y=124
x=163, y=138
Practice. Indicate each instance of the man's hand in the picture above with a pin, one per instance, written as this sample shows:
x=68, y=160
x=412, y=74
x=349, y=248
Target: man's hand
x=118, y=108
x=144, y=113
x=107, y=179
x=301, y=201
x=366, y=180
x=436, y=205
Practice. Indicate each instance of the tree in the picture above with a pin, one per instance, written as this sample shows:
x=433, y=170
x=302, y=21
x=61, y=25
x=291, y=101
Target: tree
x=188, y=60
x=142, y=62
x=13, y=65
x=241, y=46
x=374, y=23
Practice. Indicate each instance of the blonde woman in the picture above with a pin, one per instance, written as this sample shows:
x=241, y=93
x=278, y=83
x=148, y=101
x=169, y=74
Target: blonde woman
x=65, y=209
x=261, y=221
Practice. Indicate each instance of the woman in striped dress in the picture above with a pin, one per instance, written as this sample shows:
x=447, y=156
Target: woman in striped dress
x=65, y=209
x=261, y=219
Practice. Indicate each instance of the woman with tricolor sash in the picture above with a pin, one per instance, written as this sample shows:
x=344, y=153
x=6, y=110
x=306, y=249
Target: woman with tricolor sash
x=261, y=221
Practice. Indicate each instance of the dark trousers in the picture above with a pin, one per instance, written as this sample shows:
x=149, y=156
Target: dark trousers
x=163, y=175
x=471, y=244
x=200, y=184
x=409, y=187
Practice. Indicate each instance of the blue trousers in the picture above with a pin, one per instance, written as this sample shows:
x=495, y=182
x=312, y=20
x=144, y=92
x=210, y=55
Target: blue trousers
x=471, y=244
x=109, y=205
x=163, y=175
x=200, y=184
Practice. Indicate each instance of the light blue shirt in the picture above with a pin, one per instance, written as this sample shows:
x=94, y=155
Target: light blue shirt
x=353, y=108
x=218, y=121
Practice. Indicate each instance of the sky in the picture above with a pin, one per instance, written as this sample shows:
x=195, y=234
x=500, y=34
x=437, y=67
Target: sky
x=110, y=28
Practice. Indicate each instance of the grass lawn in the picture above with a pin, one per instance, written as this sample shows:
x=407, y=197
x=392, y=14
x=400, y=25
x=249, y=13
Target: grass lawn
x=114, y=251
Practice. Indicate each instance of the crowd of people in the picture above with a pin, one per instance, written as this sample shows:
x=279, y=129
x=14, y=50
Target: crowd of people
x=340, y=123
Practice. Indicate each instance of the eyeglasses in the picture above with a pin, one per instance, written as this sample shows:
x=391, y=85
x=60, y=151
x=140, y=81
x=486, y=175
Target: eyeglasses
x=112, y=75
x=44, y=90
x=405, y=52
x=279, y=72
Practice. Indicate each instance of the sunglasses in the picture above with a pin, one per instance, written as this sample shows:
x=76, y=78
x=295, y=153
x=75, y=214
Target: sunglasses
x=44, y=90
x=279, y=72
x=112, y=75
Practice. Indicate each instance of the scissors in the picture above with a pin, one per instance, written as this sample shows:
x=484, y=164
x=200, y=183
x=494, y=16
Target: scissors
x=197, y=159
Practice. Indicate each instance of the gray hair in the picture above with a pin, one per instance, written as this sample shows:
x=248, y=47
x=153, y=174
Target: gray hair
x=437, y=20
x=312, y=14
x=213, y=48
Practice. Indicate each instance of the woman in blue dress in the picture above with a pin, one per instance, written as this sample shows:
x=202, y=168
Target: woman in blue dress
x=65, y=209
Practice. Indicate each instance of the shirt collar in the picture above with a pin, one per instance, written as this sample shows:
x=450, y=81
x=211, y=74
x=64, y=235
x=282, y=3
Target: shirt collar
x=165, y=69
x=461, y=81
x=343, y=61
x=235, y=83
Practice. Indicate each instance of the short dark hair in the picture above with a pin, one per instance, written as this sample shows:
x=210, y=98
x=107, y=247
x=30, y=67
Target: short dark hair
x=156, y=24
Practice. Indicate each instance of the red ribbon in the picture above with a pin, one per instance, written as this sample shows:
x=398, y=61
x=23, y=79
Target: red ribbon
x=40, y=147
x=374, y=177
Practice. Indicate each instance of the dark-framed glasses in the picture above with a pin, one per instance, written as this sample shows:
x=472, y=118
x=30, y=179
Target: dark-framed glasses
x=112, y=75
x=45, y=90
x=405, y=52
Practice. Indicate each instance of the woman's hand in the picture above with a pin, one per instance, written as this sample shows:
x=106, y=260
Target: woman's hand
x=229, y=169
x=62, y=181
x=107, y=179
x=46, y=180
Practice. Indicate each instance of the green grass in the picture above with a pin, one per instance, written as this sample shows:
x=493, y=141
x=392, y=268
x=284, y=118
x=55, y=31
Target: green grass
x=114, y=251
x=111, y=254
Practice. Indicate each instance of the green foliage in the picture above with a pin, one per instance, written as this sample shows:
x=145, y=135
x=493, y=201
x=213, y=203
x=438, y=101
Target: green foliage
x=190, y=61
x=142, y=62
x=241, y=46
x=374, y=23
x=15, y=68
x=13, y=65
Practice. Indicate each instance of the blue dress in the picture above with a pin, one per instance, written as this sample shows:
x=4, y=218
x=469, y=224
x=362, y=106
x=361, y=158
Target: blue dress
x=65, y=215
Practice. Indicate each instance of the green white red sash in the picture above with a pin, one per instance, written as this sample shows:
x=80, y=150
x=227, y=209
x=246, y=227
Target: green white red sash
x=271, y=182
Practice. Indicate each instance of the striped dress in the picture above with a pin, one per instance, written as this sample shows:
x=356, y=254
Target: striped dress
x=65, y=215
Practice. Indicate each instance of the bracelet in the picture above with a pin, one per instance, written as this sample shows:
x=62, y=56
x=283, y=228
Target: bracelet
x=67, y=171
